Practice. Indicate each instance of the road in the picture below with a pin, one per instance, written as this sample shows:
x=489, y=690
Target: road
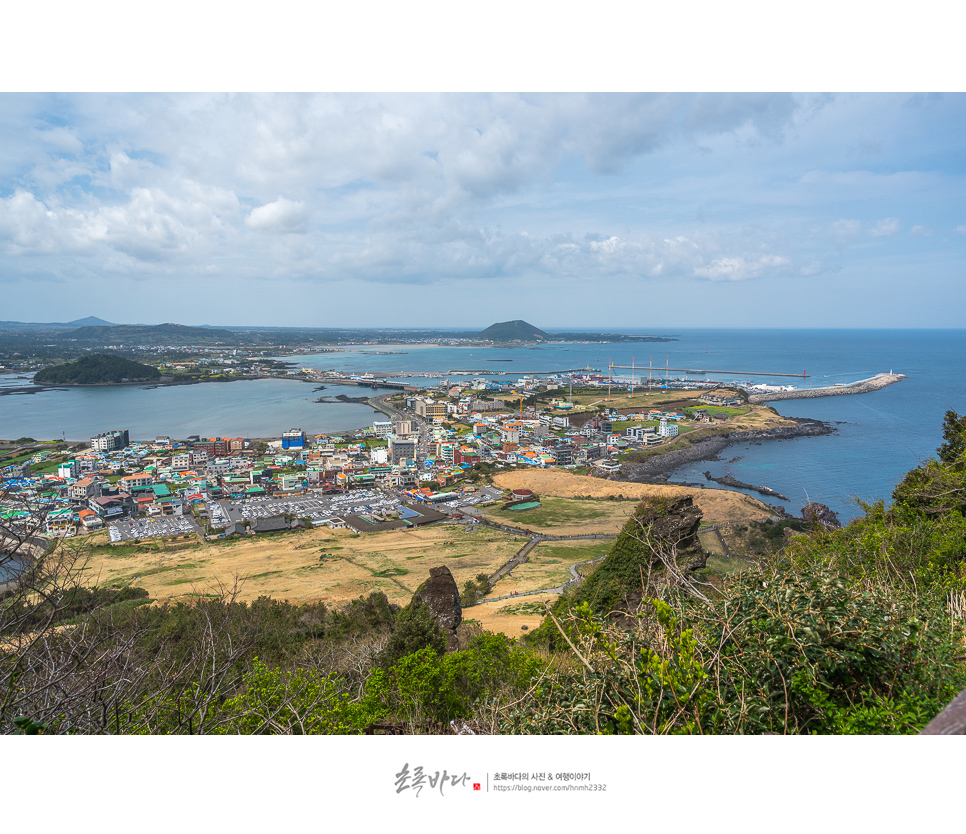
x=381, y=404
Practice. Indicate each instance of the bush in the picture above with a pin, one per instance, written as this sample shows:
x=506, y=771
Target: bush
x=427, y=687
x=818, y=652
x=413, y=629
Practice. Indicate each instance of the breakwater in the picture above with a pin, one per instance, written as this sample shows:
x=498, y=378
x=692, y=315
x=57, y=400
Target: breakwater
x=863, y=386
x=734, y=483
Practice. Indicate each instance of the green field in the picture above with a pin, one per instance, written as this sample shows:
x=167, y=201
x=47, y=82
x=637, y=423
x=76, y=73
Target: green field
x=553, y=511
x=721, y=411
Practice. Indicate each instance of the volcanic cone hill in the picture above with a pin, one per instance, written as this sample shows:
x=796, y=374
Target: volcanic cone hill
x=510, y=331
x=98, y=369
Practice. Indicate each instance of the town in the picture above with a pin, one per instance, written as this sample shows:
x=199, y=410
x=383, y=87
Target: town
x=428, y=459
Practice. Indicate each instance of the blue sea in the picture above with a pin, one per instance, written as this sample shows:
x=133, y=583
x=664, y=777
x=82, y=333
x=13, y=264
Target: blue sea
x=879, y=436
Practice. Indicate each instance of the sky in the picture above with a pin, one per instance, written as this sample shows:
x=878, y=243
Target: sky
x=624, y=210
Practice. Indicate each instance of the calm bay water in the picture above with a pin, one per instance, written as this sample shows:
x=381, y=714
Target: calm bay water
x=880, y=435
x=247, y=408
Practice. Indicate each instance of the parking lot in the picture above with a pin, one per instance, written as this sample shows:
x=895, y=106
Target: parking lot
x=316, y=508
x=144, y=528
x=472, y=499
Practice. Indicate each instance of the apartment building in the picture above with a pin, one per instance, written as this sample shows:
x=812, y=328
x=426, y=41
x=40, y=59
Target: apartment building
x=111, y=441
x=430, y=409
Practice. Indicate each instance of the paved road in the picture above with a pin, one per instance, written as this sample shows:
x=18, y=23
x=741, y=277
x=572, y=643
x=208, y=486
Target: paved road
x=394, y=414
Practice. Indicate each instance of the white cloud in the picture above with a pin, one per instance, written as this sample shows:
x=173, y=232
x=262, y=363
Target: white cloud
x=845, y=231
x=886, y=226
x=281, y=215
x=151, y=225
x=961, y=230
x=738, y=268
x=438, y=189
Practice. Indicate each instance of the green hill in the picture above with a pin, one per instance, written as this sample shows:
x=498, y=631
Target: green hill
x=510, y=331
x=160, y=334
x=97, y=369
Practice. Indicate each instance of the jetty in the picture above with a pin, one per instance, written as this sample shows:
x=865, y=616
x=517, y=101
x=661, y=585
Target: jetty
x=863, y=386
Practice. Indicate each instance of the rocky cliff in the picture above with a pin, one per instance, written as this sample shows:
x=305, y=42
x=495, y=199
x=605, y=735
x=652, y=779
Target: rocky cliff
x=442, y=598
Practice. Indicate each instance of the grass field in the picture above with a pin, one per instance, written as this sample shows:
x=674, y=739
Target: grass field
x=510, y=617
x=549, y=566
x=720, y=506
x=568, y=516
x=711, y=543
x=288, y=565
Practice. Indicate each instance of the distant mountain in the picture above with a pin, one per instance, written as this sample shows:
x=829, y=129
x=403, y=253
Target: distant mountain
x=90, y=321
x=98, y=369
x=510, y=331
x=160, y=334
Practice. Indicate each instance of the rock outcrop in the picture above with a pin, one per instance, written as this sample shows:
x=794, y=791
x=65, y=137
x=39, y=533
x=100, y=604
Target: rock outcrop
x=675, y=524
x=442, y=597
x=821, y=515
x=657, y=546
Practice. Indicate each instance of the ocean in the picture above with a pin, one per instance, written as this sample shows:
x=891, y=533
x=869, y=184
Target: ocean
x=879, y=436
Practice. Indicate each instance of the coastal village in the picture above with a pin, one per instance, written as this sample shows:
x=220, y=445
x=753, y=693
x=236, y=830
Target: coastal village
x=429, y=458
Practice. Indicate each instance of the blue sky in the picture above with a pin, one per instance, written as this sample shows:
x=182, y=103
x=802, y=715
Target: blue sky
x=568, y=210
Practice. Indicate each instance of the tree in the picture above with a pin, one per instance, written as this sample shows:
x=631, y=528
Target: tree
x=954, y=434
x=88, y=660
x=415, y=628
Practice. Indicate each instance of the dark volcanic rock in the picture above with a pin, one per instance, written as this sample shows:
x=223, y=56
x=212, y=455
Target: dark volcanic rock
x=657, y=546
x=731, y=481
x=708, y=448
x=677, y=525
x=442, y=598
x=820, y=514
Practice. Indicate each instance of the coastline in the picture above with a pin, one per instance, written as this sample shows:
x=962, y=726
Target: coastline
x=656, y=469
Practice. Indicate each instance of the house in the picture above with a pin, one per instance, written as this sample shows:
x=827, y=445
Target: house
x=60, y=523
x=90, y=520
x=109, y=507
x=84, y=488
x=138, y=479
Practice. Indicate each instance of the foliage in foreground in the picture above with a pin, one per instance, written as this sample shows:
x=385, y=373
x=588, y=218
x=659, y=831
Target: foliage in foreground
x=858, y=630
x=780, y=652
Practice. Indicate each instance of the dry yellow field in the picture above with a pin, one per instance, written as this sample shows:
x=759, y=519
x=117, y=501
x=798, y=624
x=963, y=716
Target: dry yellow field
x=509, y=616
x=720, y=506
x=287, y=566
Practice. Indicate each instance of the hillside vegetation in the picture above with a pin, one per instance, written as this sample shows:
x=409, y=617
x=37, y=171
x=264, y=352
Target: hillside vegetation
x=159, y=334
x=851, y=630
x=98, y=369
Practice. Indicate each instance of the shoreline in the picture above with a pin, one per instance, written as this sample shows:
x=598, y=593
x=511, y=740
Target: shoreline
x=652, y=470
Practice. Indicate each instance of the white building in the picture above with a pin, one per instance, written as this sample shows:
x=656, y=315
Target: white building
x=70, y=469
x=181, y=461
x=668, y=429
